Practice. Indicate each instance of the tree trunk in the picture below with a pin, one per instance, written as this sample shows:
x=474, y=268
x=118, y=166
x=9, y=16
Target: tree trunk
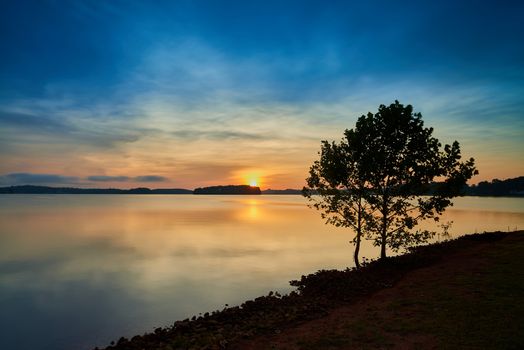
x=357, y=248
x=383, y=234
x=359, y=233
x=383, y=250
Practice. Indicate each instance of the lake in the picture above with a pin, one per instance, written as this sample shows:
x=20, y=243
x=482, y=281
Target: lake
x=77, y=271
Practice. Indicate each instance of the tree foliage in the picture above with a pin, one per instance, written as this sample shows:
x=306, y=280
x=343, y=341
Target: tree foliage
x=373, y=180
x=336, y=177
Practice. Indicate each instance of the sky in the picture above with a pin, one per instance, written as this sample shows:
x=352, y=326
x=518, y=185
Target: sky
x=183, y=94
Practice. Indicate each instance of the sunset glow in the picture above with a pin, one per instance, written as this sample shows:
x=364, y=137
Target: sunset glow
x=201, y=102
x=252, y=178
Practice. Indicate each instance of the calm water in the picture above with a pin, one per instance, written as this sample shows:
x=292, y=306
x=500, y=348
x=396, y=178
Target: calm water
x=77, y=271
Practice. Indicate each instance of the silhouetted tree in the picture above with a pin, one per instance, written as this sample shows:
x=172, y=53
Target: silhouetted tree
x=336, y=187
x=393, y=159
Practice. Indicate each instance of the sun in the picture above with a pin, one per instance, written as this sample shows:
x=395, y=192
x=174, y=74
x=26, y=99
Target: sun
x=252, y=178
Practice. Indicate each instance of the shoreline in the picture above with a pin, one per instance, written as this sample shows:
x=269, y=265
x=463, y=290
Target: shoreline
x=316, y=297
x=159, y=193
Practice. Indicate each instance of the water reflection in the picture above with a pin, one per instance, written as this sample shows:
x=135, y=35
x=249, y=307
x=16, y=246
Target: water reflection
x=79, y=271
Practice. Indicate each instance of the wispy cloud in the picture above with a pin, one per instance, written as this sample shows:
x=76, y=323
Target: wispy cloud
x=218, y=135
x=23, y=121
x=28, y=178
x=150, y=178
x=103, y=178
x=55, y=179
x=143, y=178
x=61, y=124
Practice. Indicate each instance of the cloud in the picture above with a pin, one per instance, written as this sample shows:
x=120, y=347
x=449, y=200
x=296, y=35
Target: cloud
x=150, y=178
x=143, y=178
x=30, y=121
x=50, y=179
x=103, y=178
x=29, y=178
x=217, y=135
x=53, y=121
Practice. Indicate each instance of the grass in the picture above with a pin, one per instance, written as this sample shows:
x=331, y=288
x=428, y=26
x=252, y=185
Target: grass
x=491, y=315
x=473, y=308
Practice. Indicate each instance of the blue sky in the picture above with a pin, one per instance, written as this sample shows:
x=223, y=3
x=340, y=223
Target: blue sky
x=192, y=93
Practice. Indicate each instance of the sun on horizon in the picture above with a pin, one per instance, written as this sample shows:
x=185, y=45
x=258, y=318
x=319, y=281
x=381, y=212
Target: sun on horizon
x=252, y=178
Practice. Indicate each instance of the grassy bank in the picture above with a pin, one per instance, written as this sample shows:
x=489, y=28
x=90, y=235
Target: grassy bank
x=460, y=294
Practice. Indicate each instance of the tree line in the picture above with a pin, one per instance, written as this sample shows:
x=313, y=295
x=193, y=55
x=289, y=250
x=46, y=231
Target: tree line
x=496, y=187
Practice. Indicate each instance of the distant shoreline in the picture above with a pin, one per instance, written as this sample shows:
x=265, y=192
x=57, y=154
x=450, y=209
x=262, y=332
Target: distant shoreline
x=30, y=189
x=511, y=188
x=214, y=190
